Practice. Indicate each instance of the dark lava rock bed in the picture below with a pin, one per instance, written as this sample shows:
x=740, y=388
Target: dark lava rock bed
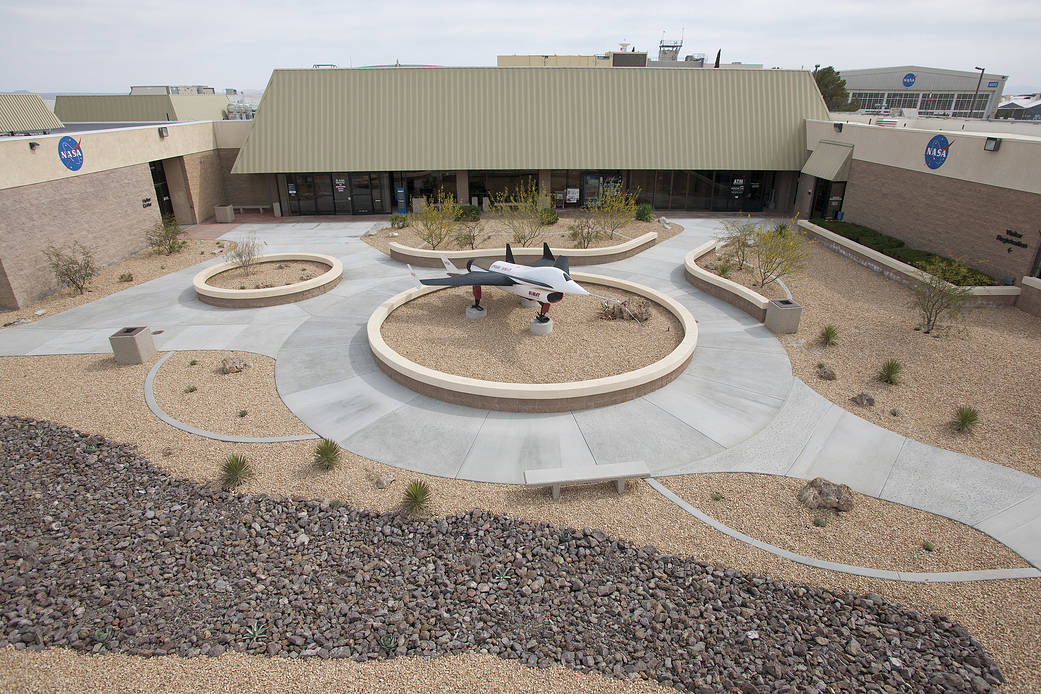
x=103, y=552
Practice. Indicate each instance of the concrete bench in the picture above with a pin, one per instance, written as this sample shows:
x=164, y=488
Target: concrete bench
x=563, y=476
x=259, y=208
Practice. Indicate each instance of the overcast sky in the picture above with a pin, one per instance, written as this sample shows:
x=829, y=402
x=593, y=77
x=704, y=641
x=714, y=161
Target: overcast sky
x=108, y=45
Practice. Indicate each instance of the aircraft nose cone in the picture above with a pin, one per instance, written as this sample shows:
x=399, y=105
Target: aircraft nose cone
x=572, y=287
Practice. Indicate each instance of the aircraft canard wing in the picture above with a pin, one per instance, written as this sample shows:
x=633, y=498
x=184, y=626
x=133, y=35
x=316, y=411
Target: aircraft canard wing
x=494, y=279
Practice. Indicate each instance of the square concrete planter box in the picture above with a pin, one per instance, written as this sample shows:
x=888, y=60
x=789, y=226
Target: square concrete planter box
x=132, y=345
x=225, y=213
x=782, y=316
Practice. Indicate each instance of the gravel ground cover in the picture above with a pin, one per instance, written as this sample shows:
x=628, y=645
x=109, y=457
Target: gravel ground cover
x=269, y=274
x=495, y=235
x=876, y=533
x=434, y=331
x=745, y=276
x=102, y=552
x=66, y=670
x=98, y=396
x=143, y=266
x=987, y=360
x=217, y=400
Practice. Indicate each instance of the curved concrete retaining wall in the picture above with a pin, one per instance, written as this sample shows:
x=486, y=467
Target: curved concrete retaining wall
x=424, y=257
x=984, y=297
x=270, y=296
x=750, y=302
x=535, y=397
x=1030, y=298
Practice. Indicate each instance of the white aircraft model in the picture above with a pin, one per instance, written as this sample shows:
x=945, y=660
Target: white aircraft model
x=545, y=281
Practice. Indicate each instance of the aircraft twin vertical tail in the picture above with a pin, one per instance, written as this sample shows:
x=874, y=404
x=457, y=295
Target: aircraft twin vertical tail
x=546, y=253
x=451, y=269
x=509, y=254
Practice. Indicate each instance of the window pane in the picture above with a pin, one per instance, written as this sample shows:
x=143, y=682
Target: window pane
x=678, y=195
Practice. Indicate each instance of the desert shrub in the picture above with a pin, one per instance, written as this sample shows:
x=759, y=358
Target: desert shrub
x=644, y=212
x=777, y=252
x=548, y=216
x=469, y=234
x=965, y=419
x=736, y=238
x=630, y=309
x=165, y=236
x=74, y=267
x=469, y=213
x=615, y=209
x=242, y=413
x=398, y=221
x=829, y=336
x=819, y=522
x=326, y=454
x=583, y=233
x=247, y=253
x=716, y=496
x=519, y=211
x=724, y=269
x=438, y=221
x=890, y=372
x=936, y=297
x=417, y=497
x=928, y=546
x=235, y=471
x=126, y=277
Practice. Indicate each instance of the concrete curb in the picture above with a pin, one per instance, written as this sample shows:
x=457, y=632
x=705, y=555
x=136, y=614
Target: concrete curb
x=578, y=256
x=178, y=424
x=885, y=574
x=269, y=296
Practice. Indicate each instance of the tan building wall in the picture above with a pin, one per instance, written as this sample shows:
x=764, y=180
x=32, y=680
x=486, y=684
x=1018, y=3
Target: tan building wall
x=205, y=183
x=101, y=210
x=959, y=219
x=244, y=189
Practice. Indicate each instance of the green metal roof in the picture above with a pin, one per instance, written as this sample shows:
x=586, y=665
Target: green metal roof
x=25, y=112
x=140, y=108
x=414, y=119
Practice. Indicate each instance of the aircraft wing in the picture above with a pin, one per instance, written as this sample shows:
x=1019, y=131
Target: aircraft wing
x=470, y=279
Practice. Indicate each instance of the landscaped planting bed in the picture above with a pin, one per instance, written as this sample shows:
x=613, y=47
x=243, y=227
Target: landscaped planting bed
x=102, y=552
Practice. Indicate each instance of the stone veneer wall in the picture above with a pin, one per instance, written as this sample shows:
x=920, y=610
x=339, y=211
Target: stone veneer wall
x=244, y=189
x=101, y=210
x=955, y=218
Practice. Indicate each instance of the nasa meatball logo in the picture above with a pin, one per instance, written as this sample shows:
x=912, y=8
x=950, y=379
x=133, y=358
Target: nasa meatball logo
x=70, y=153
x=909, y=79
x=936, y=151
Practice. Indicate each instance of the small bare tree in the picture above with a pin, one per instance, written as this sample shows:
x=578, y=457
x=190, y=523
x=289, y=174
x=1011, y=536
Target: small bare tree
x=939, y=296
x=613, y=211
x=518, y=210
x=777, y=251
x=438, y=221
x=165, y=236
x=469, y=234
x=73, y=267
x=583, y=233
x=247, y=253
x=737, y=237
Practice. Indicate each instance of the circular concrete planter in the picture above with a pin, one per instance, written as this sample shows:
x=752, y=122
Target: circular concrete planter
x=270, y=296
x=535, y=397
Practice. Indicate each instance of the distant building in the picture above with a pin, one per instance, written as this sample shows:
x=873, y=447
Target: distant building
x=668, y=56
x=1027, y=107
x=141, y=107
x=911, y=90
x=177, y=89
x=26, y=114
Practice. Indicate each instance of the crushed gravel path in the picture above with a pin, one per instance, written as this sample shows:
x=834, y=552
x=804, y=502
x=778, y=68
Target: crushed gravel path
x=102, y=552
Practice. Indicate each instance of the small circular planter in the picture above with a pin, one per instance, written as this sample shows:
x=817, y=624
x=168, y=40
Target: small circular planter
x=535, y=397
x=268, y=296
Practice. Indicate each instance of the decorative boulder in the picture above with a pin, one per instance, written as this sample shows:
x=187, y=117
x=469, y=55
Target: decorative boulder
x=820, y=493
x=233, y=365
x=826, y=374
x=864, y=400
x=385, y=480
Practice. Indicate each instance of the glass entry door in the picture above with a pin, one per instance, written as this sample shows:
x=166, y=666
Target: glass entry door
x=323, y=194
x=361, y=194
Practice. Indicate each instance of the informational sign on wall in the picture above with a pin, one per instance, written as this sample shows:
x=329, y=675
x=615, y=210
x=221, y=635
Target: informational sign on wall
x=936, y=151
x=909, y=79
x=340, y=184
x=70, y=153
x=571, y=195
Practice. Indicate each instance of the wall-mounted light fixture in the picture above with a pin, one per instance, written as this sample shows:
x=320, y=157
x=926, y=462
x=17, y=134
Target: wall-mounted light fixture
x=163, y=132
x=34, y=146
x=993, y=144
x=838, y=127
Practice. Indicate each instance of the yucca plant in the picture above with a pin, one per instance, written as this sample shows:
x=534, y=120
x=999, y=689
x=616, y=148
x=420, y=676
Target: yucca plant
x=235, y=471
x=326, y=454
x=890, y=372
x=965, y=419
x=417, y=497
x=829, y=336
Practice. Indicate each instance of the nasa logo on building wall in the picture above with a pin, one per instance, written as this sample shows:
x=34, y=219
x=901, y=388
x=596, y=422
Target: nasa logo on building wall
x=909, y=79
x=70, y=153
x=936, y=151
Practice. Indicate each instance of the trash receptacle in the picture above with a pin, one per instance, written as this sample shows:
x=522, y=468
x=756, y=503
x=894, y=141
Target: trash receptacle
x=132, y=345
x=782, y=316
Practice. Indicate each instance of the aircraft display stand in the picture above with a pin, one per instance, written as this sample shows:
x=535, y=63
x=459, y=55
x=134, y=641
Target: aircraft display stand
x=475, y=313
x=528, y=303
x=541, y=327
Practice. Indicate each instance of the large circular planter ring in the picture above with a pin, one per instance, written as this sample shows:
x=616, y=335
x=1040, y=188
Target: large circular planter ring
x=269, y=296
x=535, y=397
